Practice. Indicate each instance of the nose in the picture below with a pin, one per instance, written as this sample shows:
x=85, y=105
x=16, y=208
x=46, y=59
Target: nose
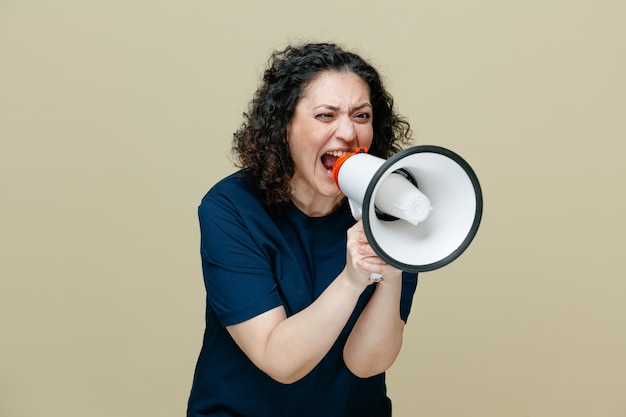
x=346, y=130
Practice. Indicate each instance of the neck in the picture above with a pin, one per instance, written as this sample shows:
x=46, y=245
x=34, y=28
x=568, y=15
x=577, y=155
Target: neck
x=319, y=206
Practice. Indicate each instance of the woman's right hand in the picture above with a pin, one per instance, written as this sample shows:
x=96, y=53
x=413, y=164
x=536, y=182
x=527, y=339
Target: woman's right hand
x=362, y=261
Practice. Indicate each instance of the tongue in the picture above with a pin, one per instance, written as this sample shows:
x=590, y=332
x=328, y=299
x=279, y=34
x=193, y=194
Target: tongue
x=329, y=161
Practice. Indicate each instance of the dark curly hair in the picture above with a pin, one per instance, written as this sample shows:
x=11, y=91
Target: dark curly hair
x=261, y=142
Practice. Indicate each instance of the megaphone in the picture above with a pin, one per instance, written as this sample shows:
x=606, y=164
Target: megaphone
x=421, y=208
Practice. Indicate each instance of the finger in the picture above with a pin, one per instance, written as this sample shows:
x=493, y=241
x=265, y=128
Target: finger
x=371, y=263
x=375, y=260
x=366, y=250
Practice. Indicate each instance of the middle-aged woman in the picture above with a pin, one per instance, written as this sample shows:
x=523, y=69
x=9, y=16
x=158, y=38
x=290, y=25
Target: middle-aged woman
x=294, y=324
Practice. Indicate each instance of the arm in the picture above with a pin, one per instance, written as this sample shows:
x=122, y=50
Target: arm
x=289, y=348
x=376, y=339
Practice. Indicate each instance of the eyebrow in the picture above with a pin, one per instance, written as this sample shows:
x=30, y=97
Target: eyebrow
x=331, y=107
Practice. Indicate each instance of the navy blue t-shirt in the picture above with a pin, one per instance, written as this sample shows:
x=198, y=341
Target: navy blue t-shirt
x=254, y=260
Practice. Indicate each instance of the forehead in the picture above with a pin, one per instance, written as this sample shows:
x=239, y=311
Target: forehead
x=336, y=85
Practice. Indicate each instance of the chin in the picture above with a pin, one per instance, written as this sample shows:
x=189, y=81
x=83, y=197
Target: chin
x=331, y=192
x=326, y=186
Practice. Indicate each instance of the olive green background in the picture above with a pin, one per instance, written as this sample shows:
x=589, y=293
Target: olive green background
x=116, y=117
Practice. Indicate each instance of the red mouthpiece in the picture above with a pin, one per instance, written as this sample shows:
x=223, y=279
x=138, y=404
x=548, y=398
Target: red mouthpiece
x=342, y=159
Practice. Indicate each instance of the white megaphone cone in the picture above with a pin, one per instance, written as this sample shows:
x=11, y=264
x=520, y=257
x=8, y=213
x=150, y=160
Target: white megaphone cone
x=420, y=208
x=397, y=197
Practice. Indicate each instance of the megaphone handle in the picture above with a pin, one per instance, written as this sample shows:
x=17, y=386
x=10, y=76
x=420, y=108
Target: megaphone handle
x=356, y=209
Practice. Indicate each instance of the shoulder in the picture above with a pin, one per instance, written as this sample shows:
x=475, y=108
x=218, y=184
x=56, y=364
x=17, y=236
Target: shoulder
x=234, y=207
x=232, y=193
x=234, y=186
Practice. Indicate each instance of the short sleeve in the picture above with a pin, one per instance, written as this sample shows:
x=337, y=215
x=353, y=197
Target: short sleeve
x=237, y=270
x=409, y=285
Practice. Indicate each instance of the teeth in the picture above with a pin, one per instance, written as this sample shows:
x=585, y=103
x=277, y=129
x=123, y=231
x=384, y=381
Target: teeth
x=337, y=153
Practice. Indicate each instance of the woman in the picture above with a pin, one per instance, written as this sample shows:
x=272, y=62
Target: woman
x=294, y=324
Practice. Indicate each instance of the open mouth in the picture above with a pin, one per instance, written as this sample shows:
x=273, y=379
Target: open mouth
x=329, y=159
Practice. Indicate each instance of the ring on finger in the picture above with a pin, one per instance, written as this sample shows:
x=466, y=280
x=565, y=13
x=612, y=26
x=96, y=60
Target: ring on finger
x=374, y=277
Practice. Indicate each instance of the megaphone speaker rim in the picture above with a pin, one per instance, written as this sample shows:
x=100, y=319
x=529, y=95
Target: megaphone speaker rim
x=368, y=201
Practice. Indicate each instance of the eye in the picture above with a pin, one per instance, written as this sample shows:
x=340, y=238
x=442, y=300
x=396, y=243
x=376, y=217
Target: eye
x=324, y=116
x=363, y=116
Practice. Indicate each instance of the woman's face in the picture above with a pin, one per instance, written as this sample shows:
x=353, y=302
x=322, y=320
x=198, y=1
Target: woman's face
x=332, y=117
